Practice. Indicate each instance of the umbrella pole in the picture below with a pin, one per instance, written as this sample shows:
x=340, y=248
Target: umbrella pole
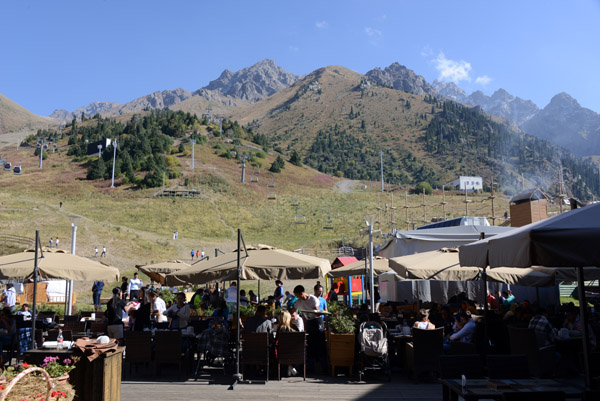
x=485, y=314
x=237, y=377
x=35, y=275
x=584, y=326
x=258, y=291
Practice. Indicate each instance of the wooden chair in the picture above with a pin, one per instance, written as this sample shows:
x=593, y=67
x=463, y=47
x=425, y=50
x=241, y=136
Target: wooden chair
x=291, y=350
x=541, y=361
x=138, y=348
x=53, y=335
x=454, y=366
x=70, y=318
x=423, y=354
x=533, y=396
x=460, y=348
x=98, y=327
x=167, y=349
x=508, y=367
x=75, y=326
x=255, y=350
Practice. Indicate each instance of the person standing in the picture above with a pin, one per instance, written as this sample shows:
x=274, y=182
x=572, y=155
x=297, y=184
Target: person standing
x=9, y=297
x=279, y=293
x=95, y=252
x=114, y=314
x=56, y=242
x=174, y=235
x=319, y=294
x=135, y=284
x=179, y=313
x=192, y=252
x=124, y=286
x=97, y=293
x=231, y=297
x=202, y=255
x=306, y=303
x=51, y=242
x=158, y=307
x=103, y=254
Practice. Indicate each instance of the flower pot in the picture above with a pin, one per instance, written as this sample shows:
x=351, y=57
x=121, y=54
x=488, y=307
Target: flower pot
x=61, y=379
x=341, y=351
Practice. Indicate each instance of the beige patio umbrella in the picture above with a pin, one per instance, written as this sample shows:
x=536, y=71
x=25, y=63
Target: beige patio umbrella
x=265, y=263
x=55, y=264
x=158, y=271
x=444, y=265
x=380, y=265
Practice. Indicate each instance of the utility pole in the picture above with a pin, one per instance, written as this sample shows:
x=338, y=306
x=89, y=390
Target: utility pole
x=112, y=183
x=381, y=162
x=41, y=151
x=466, y=202
x=193, y=141
x=424, y=208
x=492, y=197
x=444, y=203
x=406, y=209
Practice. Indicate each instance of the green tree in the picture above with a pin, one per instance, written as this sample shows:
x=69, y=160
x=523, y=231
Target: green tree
x=277, y=165
x=96, y=170
x=295, y=158
x=423, y=186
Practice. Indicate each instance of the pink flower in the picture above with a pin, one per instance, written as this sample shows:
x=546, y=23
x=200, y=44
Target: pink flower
x=67, y=361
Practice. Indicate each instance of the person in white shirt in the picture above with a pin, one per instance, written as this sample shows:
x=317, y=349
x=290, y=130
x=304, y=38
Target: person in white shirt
x=10, y=296
x=231, y=298
x=158, y=307
x=179, y=312
x=315, y=347
x=135, y=284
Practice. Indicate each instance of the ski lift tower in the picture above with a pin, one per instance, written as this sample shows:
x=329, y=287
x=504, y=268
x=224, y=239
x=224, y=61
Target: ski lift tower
x=244, y=157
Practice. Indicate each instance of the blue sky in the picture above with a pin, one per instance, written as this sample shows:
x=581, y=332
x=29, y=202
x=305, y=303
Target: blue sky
x=66, y=54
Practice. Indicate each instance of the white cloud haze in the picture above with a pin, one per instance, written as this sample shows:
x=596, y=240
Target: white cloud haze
x=483, y=80
x=372, y=32
x=322, y=24
x=451, y=70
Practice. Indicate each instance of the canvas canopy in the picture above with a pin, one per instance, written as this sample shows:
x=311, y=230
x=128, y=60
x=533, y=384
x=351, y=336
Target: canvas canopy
x=444, y=265
x=380, y=265
x=432, y=239
x=56, y=264
x=158, y=271
x=569, y=239
x=259, y=264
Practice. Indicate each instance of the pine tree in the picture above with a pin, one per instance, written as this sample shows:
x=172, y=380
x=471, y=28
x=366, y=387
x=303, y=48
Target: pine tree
x=295, y=158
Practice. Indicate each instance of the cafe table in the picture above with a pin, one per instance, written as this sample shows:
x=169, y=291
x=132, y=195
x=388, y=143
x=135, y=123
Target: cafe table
x=477, y=389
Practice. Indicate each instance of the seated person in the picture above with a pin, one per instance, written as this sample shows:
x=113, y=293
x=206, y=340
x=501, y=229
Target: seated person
x=25, y=312
x=467, y=330
x=259, y=322
x=447, y=320
x=253, y=298
x=244, y=301
x=179, y=312
x=297, y=322
x=221, y=310
x=544, y=332
x=284, y=321
x=423, y=322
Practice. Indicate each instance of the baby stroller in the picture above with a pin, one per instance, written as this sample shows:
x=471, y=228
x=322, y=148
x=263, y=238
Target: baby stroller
x=373, y=352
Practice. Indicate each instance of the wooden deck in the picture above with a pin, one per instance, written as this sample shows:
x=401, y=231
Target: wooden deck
x=325, y=388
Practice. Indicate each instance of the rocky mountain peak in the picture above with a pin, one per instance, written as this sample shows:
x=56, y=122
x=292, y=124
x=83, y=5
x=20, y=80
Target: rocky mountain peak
x=253, y=83
x=401, y=78
x=449, y=90
x=563, y=100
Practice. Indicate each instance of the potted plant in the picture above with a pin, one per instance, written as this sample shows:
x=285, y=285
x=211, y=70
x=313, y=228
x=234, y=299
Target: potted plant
x=57, y=369
x=341, y=336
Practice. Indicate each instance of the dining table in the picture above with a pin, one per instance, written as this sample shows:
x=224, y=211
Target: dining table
x=477, y=389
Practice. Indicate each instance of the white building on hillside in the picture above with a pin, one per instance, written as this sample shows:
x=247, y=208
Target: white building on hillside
x=469, y=183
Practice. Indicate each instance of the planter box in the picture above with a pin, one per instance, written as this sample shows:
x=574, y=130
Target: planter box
x=341, y=351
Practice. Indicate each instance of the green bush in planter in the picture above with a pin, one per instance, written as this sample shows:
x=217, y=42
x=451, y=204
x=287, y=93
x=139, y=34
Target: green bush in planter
x=341, y=320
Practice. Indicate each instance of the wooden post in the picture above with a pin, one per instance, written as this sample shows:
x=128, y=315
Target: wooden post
x=406, y=208
x=424, y=208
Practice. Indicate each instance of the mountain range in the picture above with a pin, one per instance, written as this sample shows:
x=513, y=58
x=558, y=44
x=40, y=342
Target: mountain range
x=391, y=108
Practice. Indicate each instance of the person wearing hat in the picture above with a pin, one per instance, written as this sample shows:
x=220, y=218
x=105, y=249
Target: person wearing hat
x=114, y=314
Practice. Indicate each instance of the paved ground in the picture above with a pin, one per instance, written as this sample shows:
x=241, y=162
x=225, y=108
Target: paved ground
x=287, y=389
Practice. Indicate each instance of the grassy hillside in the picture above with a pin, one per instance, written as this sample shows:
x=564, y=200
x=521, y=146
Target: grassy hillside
x=14, y=117
x=339, y=122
